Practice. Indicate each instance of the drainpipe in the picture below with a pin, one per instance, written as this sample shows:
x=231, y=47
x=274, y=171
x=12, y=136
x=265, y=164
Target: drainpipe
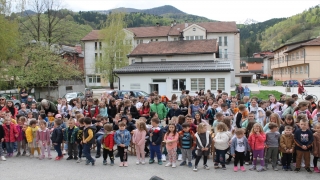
x=118, y=79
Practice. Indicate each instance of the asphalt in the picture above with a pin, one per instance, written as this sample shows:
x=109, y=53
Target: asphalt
x=24, y=168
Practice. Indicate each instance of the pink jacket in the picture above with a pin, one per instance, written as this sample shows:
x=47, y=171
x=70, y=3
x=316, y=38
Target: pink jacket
x=171, y=137
x=43, y=135
x=139, y=137
x=256, y=142
x=19, y=129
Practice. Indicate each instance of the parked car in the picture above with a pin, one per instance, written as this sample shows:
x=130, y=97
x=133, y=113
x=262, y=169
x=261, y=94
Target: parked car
x=73, y=95
x=16, y=102
x=307, y=82
x=136, y=93
x=316, y=82
x=292, y=83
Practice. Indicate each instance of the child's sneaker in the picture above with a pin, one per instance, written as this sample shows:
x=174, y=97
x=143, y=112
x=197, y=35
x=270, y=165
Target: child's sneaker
x=252, y=168
x=18, y=154
x=190, y=164
x=143, y=162
x=24, y=153
x=261, y=169
x=31, y=156
x=64, y=152
x=316, y=170
x=163, y=158
x=308, y=170
x=76, y=158
x=49, y=157
x=195, y=168
x=57, y=158
x=235, y=168
x=87, y=162
x=104, y=162
x=242, y=168
x=275, y=168
x=159, y=162
x=151, y=161
x=174, y=165
x=79, y=160
x=168, y=164
x=180, y=157
x=183, y=163
x=112, y=163
x=92, y=162
x=121, y=164
x=224, y=167
x=69, y=158
x=125, y=164
x=137, y=162
x=216, y=165
x=284, y=168
x=3, y=158
x=246, y=163
x=41, y=157
x=206, y=167
x=296, y=170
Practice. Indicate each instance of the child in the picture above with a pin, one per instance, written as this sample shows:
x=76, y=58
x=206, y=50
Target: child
x=256, y=141
x=155, y=140
x=43, y=139
x=57, y=137
x=122, y=139
x=219, y=118
x=193, y=127
x=76, y=108
x=225, y=111
x=272, y=145
x=239, y=148
x=274, y=118
x=248, y=158
x=239, y=116
x=50, y=118
x=302, y=108
x=139, y=139
x=103, y=111
x=31, y=135
x=251, y=118
x=221, y=144
x=187, y=142
x=288, y=121
x=79, y=138
x=286, y=147
x=316, y=147
x=261, y=114
x=70, y=137
x=108, y=144
x=274, y=105
x=171, y=140
x=24, y=140
x=19, y=139
x=88, y=140
x=1, y=140
x=203, y=140
x=303, y=138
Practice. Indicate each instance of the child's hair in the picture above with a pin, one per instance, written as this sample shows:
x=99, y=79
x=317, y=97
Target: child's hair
x=257, y=125
x=254, y=98
x=249, y=127
x=290, y=101
x=222, y=126
x=227, y=121
x=277, y=117
x=181, y=119
x=32, y=122
x=261, y=103
x=42, y=112
x=22, y=119
x=152, y=114
x=87, y=120
x=224, y=105
x=174, y=131
x=302, y=117
x=107, y=127
x=301, y=104
x=43, y=116
x=185, y=125
x=219, y=114
x=58, y=122
x=121, y=124
x=141, y=126
x=142, y=119
x=294, y=95
x=251, y=113
x=239, y=131
x=316, y=125
x=81, y=120
x=268, y=113
x=104, y=118
x=272, y=125
x=241, y=107
x=43, y=122
x=155, y=120
x=200, y=127
x=289, y=116
x=290, y=127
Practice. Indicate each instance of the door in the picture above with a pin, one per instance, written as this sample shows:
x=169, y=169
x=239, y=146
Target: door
x=246, y=79
x=154, y=87
x=162, y=88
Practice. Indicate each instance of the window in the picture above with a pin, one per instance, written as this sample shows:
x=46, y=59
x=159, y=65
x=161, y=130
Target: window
x=139, y=41
x=297, y=55
x=191, y=37
x=293, y=58
x=289, y=57
x=100, y=45
x=220, y=41
x=151, y=40
x=133, y=61
x=197, y=84
x=94, y=79
x=301, y=70
x=225, y=41
x=292, y=70
x=96, y=61
x=226, y=53
x=302, y=54
x=196, y=37
x=200, y=37
x=175, y=39
x=306, y=69
x=95, y=45
x=296, y=70
x=194, y=29
x=218, y=83
x=156, y=39
x=159, y=80
x=135, y=86
x=187, y=37
x=178, y=84
x=68, y=88
x=100, y=56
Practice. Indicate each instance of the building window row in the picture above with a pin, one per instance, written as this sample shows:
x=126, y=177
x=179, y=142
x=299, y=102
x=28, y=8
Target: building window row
x=198, y=83
x=225, y=42
x=194, y=37
x=293, y=70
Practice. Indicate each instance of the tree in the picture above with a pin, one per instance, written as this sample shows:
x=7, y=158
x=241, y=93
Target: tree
x=115, y=47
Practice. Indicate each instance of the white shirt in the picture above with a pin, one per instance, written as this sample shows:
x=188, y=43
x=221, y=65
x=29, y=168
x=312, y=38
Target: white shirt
x=240, y=145
x=139, y=105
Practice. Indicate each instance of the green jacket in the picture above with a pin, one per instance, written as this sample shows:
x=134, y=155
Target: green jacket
x=73, y=137
x=160, y=109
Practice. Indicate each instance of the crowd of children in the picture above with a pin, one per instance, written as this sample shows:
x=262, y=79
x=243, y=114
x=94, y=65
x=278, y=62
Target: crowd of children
x=248, y=130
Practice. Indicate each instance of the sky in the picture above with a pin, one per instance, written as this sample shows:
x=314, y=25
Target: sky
x=222, y=10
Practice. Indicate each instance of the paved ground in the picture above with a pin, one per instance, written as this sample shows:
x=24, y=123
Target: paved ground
x=34, y=169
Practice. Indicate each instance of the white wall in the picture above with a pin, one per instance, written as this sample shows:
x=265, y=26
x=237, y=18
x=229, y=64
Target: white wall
x=199, y=31
x=199, y=57
x=144, y=80
x=89, y=57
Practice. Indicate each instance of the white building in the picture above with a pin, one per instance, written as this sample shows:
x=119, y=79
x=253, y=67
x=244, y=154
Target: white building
x=226, y=34
x=169, y=67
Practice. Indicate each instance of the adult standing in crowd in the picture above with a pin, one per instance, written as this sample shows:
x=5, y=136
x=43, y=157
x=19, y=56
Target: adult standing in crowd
x=23, y=95
x=2, y=102
x=246, y=91
x=29, y=102
x=240, y=90
x=47, y=106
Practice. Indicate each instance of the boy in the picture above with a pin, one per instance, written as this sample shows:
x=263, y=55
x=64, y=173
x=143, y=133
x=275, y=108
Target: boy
x=155, y=140
x=303, y=139
x=79, y=138
x=108, y=143
x=219, y=118
x=239, y=116
x=57, y=137
x=88, y=139
x=187, y=142
x=99, y=134
x=225, y=111
x=193, y=127
x=122, y=138
x=261, y=114
x=287, y=147
x=272, y=145
x=250, y=119
x=70, y=137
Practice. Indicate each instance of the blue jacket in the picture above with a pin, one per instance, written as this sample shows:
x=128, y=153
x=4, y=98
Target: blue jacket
x=103, y=112
x=234, y=145
x=125, y=139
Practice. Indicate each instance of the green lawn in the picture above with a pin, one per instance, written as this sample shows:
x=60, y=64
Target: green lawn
x=266, y=82
x=263, y=94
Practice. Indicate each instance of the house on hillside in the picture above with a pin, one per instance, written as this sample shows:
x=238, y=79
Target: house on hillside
x=73, y=54
x=172, y=66
x=297, y=61
x=226, y=34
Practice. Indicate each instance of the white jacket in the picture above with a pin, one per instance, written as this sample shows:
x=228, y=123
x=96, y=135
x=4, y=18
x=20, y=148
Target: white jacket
x=221, y=140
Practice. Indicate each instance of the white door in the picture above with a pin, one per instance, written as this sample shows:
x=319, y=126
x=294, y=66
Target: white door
x=162, y=89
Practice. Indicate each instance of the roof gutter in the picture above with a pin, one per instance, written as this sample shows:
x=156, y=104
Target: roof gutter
x=171, y=54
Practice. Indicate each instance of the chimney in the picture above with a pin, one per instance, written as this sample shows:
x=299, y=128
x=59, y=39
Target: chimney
x=181, y=36
x=158, y=25
x=186, y=24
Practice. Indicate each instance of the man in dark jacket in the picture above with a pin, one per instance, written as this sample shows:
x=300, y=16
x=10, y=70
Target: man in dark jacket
x=240, y=90
x=174, y=111
x=47, y=106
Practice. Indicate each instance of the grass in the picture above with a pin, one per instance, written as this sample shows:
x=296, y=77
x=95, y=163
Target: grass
x=263, y=94
x=266, y=82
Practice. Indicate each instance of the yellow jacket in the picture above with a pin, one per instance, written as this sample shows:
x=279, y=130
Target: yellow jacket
x=29, y=135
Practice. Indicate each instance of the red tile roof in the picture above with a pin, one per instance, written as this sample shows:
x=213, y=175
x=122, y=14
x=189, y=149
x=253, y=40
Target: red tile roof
x=176, y=47
x=153, y=31
x=314, y=42
x=93, y=35
x=211, y=27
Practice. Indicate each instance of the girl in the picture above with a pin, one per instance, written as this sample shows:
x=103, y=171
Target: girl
x=10, y=107
x=76, y=108
x=10, y=134
x=290, y=107
x=302, y=108
x=43, y=139
x=145, y=110
x=288, y=121
x=274, y=105
x=239, y=148
x=261, y=114
x=171, y=140
x=221, y=144
x=273, y=118
x=204, y=141
x=31, y=135
x=103, y=111
x=181, y=119
x=314, y=113
x=112, y=109
x=184, y=106
x=198, y=120
x=174, y=98
x=195, y=107
x=19, y=139
x=228, y=122
x=64, y=109
x=139, y=139
x=316, y=147
x=256, y=141
x=248, y=159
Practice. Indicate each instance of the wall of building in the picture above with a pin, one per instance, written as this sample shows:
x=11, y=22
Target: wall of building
x=198, y=57
x=143, y=81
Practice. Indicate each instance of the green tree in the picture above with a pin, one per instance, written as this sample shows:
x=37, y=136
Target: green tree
x=115, y=46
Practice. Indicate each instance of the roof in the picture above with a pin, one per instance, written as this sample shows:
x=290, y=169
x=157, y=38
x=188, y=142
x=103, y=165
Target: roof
x=176, y=67
x=153, y=31
x=314, y=42
x=208, y=46
x=293, y=43
x=93, y=35
x=251, y=60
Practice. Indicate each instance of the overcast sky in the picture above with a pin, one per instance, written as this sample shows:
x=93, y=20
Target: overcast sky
x=222, y=10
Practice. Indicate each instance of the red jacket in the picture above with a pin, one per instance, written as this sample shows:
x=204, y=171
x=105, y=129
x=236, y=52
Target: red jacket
x=300, y=88
x=256, y=142
x=92, y=111
x=10, y=134
x=4, y=109
x=144, y=111
x=108, y=141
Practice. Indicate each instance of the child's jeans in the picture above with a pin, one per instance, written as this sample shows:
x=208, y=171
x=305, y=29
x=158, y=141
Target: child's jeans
x=272, y=152
x=186, y=153
x=123, y=153
x=86, y=151
x=286, y=159
x=172, y=155
x=80, y=148
x=140, y=152
x=220, y=157
x=205, y=158
x=98, y=142
x=57, y=147
x=107, y=152
x=72, y=149
x=306, y=157
x=9, y=147
x=155, y=149
x=1, y=150
x=257, y=153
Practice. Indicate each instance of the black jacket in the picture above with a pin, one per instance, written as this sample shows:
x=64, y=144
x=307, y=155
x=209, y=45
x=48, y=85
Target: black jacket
x=112, y=111
x=57, y=135
x=130, y=127
x=1, y=132
x=86, y=134
x=174, y=112
x=133, y=111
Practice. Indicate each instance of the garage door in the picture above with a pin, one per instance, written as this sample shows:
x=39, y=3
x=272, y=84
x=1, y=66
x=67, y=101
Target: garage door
x=246, y=79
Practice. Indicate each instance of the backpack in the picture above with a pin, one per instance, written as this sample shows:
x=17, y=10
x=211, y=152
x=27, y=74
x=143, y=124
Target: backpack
x=210, y=114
